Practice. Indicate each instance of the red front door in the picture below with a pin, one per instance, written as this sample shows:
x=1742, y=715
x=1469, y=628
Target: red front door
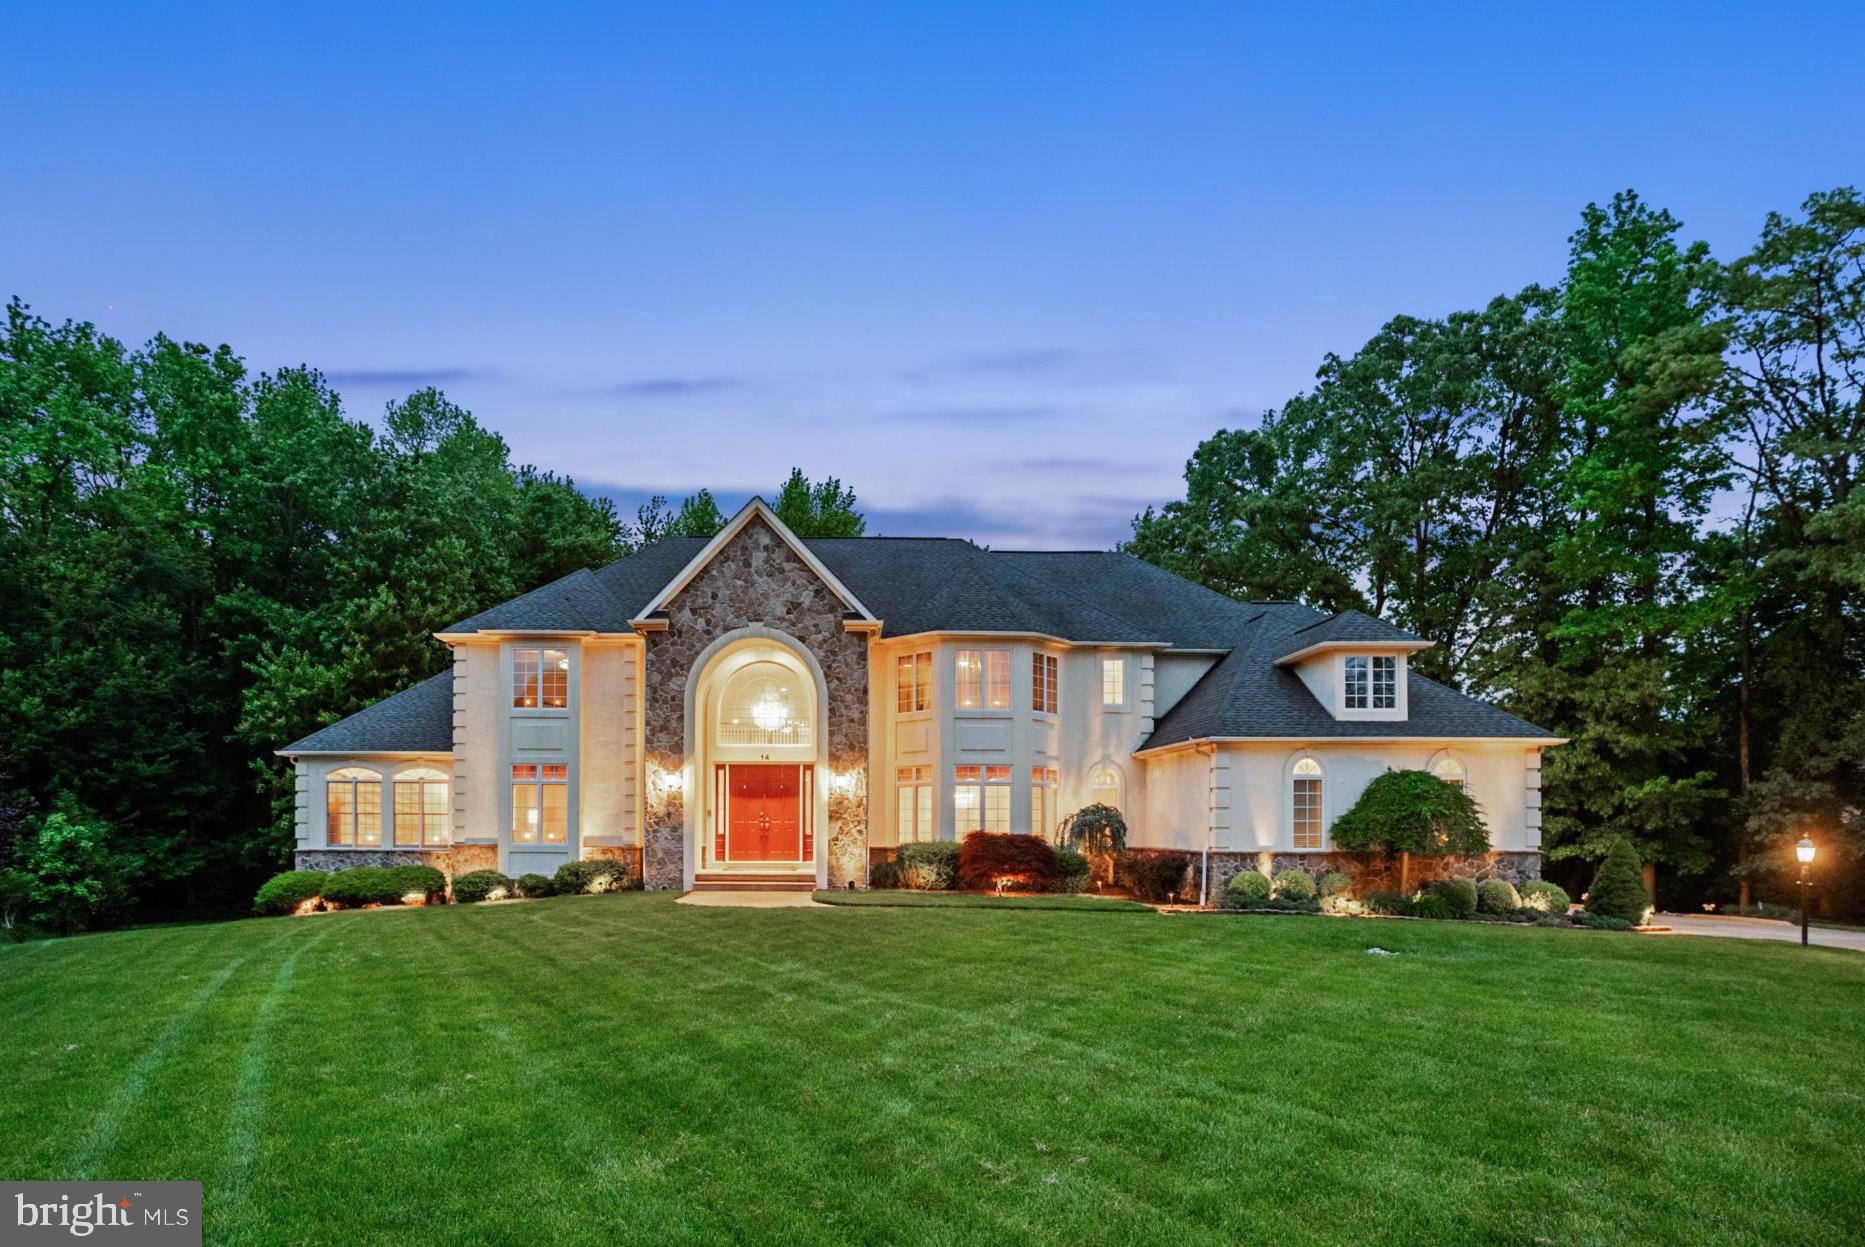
x=763, y=815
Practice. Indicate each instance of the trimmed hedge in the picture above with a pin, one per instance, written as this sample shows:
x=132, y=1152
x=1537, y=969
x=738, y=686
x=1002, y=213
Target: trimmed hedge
x=1073, y=871
x=1549, y=898
x=592, y=876
x=984, y=857
x=1497, y=896
x=1295, y=884
x=429, y=882
x=928, y=866
x=534, y=886
x=481, y=885
x=282, y=894
x=1247, y=889
x=1152, y=876
x=383, y=885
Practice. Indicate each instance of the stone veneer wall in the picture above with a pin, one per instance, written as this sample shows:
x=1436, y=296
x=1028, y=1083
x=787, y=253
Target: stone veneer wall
x=1372, y=873
x=756, y=579
x=457, y=860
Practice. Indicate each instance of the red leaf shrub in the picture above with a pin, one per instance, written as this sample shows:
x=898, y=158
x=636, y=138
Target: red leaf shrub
x=1028, y=862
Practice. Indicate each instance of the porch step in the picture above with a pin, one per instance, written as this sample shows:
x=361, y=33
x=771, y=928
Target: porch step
x=750, y=881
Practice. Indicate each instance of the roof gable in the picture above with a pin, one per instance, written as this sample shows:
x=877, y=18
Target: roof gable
x=753, y=511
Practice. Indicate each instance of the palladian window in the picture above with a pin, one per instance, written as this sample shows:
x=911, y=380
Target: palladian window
x=353, y=808
x=421, y=808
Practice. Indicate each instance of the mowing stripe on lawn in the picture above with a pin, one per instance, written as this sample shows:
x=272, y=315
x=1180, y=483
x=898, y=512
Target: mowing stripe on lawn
x=244, y=1119
x=135, y=1081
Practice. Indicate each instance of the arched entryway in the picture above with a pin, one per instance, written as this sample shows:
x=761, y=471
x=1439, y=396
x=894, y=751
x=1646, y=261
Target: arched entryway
x=755, y=705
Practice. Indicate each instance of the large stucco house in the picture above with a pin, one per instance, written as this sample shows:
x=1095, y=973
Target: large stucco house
x=763, y=707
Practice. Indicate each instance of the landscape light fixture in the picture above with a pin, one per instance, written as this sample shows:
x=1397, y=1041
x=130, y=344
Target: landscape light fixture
x=1804, y=851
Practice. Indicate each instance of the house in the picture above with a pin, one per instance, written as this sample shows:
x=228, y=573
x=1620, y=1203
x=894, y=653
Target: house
x=759, y=707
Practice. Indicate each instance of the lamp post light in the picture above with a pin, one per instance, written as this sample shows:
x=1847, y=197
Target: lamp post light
x=1803, y=851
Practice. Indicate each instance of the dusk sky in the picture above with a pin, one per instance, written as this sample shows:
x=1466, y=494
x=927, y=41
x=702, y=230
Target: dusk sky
x=999, y=267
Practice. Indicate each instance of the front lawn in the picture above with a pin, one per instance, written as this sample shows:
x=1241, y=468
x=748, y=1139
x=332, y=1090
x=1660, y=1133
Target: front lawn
x=621, y=1068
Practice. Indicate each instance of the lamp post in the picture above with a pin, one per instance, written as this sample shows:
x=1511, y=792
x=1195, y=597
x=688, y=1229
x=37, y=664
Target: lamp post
x=1803, y=851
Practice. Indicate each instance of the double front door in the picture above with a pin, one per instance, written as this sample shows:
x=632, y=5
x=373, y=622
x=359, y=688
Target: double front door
x=766, y=815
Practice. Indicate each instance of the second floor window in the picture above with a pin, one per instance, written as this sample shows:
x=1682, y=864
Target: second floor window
x=983, y=679
x=540, y=679
x=1044, y=674
x=1372, y=683
x=1113, y=681
x=1386, y=683
x=913, y=683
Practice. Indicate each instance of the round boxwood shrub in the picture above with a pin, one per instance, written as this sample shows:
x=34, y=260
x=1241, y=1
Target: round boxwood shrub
x=1295, y=884
x=1336, y=883
x=481, y=885
x=282, y=894
x=366, y=885
x=1247, y=889
x=534, y=886
x=1458, y=893
x=1072, y=871
x=1549, y=898
x=429, y=883
x=1618, y=889
x=1027, y=862
x=928, y=866
x=1437, y=904
x=592, y=875
x=1497, y=896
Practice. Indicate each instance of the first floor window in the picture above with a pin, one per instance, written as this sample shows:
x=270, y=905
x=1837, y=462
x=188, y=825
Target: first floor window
x=1043, y=800
x=1104, y=787
x=420, y=808
x=1044, y=677
x=1113, y=681
x=540, y=803
x=1305, y=803
x=913, y=788
x=983, y=677
x=913, y=683
x=980, y=798
x=353, y=808
x=540, y=679
x=1450, y=770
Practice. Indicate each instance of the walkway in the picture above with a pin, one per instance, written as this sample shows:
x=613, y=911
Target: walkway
x=1736, y=928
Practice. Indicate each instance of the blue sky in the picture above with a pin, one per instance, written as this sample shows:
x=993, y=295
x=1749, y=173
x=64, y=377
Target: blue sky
x=1000, y=267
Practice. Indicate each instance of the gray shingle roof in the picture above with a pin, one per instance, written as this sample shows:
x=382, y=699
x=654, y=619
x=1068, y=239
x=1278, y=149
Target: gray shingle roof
x=415, y=720
x=1350, y=626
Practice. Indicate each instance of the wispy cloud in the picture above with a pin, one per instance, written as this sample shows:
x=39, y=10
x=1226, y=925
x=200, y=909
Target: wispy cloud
x=978, y=415
x=401, y=378
x=674, y=387
x=1011, y=363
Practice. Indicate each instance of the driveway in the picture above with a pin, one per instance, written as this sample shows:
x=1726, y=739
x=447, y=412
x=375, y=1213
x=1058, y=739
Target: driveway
x=1758, y=929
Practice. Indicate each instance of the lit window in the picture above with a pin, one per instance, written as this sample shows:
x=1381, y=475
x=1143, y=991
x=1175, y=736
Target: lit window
x=540, y=803
x=1386, y=683
x=1305, y=803
x=1356, y=684
x=1104, y=787
x=981, y=798
x=1113, y=681
x=420, y=808
x=1044, y=675
x=1450, y=770
x=540, y=678
x=913, y=786
x=766, y=703
x=984, y=679
x=353, y=808
x=913, y=683
x=1042, y=800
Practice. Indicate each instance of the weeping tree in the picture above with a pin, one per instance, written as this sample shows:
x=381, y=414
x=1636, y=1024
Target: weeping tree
x=1407, y=812
x=1097, y=832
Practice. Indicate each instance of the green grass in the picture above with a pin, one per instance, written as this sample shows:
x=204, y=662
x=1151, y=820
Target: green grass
x=624, y=1069
x=902, y=899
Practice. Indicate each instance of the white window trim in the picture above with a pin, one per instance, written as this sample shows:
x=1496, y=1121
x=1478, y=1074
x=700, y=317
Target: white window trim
x=1036, y=657
x=1288, y=803
x=1126, y=683
x=1010, y=692
x=1392, y=714
x=424, y=774
x=537, y=786
x=932, y=682
x=508, y=668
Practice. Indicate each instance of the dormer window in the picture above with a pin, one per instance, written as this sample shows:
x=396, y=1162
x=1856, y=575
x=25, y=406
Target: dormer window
x=1372, y=682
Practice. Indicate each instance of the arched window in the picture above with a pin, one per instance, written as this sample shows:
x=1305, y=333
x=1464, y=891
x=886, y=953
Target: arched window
x=1104, y=787
x=1450, y=770
x=421, y=808
x=765, y=703
x=1305, y=780
x=353, y=808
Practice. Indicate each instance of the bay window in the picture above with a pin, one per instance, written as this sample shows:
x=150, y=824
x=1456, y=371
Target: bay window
x=1044, y=676
x=983, y=679
x=913, y=791
x=980, y=798
x=913, y=683
x=1043, y=800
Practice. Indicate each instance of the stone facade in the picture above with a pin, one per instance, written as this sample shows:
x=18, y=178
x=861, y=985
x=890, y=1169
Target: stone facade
x=756, y=578
x=452, y=861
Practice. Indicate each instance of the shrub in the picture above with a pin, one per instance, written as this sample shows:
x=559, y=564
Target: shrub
x=534, y=886
x=1097, y=830
x=70, y=880
x=1335, y=883
x=481, y=885
x=282, y=894
x=984, y=857
x=1497, y=896
x=1073, y=871
x=365, y=885
x=1294, y=904
x=1618, y=889
x=929, y=866
x=1247, y=889
x=1436, y=905
x=1459, y=893
x=1549, y=898
x=884, y=874
x=1388, y=903
x=1152, y=876
x=1412, y=812
x=592, y=876
x=1295, y=885
x=408, y=880
x=1600, y=922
